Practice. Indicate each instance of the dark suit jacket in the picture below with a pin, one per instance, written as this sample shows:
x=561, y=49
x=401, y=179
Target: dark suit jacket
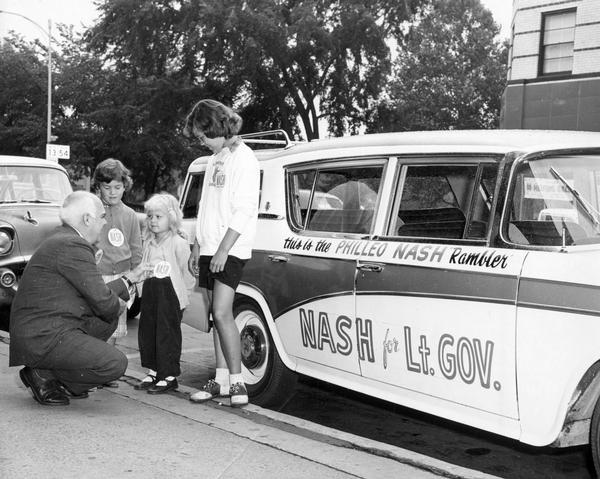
x=61, y=290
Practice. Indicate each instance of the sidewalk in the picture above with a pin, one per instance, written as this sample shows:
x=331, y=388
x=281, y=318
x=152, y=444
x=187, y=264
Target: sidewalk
x=127, y=433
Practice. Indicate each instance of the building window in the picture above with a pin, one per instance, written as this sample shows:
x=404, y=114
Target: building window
x=558, y=36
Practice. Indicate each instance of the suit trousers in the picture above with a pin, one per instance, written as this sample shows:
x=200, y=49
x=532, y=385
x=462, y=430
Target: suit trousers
x=81, y=362
x=159, y=332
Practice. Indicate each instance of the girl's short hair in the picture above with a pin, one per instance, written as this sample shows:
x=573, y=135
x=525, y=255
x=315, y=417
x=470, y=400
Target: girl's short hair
x=109, y=170
x=168, y=204
x=213, y=119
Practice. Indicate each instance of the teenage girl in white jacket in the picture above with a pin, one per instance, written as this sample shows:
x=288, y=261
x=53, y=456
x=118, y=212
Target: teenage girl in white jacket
x=225, y=230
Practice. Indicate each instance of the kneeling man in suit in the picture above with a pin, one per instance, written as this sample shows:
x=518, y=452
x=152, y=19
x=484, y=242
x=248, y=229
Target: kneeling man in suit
x=63, y=312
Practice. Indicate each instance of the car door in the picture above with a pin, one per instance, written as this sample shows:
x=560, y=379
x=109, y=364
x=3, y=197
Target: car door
x=310, y=281
x=441, y=302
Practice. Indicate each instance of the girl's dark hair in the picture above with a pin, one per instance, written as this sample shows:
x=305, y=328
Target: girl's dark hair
x=213, y=119
x=109, y=170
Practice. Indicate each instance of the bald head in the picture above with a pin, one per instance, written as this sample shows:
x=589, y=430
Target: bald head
x=84, y=212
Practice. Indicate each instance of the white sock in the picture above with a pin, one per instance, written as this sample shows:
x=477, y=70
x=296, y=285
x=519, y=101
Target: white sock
x=222, y=376
x=169, y=378
x=150, y=372
x=236, y=378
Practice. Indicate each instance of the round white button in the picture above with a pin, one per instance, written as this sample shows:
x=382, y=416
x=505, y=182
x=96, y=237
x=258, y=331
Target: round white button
x=116, y=237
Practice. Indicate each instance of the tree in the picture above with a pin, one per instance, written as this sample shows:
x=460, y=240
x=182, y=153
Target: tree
x=311, y=58
x=449, y=73
x=23, y=97
x=98, y=111
x=116, y=112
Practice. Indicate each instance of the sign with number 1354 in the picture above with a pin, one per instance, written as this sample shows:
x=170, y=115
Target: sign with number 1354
x=58, y=152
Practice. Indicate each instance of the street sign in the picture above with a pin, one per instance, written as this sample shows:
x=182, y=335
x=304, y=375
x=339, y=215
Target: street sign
x=57, y=152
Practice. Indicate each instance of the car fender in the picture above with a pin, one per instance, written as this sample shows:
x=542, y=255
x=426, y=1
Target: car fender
x=31, y=225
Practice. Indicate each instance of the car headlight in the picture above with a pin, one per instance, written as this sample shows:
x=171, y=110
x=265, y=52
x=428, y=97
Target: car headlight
x=7, y=278
x=6, y=242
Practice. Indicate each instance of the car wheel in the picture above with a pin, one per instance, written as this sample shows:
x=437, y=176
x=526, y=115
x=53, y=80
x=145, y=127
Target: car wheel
x=268, y=380
x=595, y=437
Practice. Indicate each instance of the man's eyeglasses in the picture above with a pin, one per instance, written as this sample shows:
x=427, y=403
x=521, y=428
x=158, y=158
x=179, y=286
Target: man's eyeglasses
x=101, y=217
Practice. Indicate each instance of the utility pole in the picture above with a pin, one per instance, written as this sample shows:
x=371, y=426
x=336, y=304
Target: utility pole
x=49, y=117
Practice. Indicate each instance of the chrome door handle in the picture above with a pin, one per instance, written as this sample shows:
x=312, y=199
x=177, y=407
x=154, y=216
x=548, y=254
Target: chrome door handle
x=278, y=258
x=372, y=267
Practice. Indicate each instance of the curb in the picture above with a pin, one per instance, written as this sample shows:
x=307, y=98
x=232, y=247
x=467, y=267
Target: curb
x=335, y=437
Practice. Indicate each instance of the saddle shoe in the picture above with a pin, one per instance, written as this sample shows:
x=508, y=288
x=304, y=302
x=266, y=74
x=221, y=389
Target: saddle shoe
x=44, y=391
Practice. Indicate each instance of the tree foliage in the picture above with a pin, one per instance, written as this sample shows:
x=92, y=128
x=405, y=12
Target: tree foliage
x=308, y=58
x=449, y=73
x=23, y=97
x=123, y=88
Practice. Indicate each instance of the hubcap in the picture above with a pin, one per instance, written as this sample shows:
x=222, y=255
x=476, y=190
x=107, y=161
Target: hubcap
x=253, y=343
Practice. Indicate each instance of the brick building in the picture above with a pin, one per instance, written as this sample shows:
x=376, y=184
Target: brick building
x=554, y=66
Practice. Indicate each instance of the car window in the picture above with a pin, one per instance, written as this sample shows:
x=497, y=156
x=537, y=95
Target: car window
x=477, y=227
x=435, y=201
x=22, y=184
x=555, y=201
x=300, y=186
x=192, y=197
x=338, y=199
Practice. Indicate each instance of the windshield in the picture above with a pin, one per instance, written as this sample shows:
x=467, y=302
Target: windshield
x=555, y=202
x=23, y=184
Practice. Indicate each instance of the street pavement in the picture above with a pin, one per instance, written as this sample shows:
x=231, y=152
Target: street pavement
x=124, y=433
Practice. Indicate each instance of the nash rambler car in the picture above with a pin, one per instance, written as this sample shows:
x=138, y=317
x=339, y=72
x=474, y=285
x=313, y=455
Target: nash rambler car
x=453, y=272
x=31, y=193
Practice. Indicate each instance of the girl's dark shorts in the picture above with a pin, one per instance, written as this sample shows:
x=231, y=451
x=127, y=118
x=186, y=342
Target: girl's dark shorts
x=231, y=274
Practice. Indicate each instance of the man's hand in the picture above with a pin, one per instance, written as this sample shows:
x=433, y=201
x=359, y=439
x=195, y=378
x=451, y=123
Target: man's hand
x=122, y=306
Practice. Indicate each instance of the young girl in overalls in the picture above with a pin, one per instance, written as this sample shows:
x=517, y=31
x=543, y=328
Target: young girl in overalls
x=165, y=293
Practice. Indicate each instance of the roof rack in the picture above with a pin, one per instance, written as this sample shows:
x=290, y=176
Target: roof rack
x=281, y=140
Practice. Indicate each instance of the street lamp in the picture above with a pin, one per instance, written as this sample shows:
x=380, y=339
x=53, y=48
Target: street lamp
x=48, y=34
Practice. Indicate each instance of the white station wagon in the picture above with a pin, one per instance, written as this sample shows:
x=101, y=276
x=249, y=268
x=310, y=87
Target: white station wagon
x=453, y=272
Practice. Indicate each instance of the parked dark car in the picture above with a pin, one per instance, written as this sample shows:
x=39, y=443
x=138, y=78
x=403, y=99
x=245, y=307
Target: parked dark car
x=31, y=193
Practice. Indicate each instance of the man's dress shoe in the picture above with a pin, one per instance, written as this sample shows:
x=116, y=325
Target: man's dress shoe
x=110, y=384
x=71, y=395
x=44, y=391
